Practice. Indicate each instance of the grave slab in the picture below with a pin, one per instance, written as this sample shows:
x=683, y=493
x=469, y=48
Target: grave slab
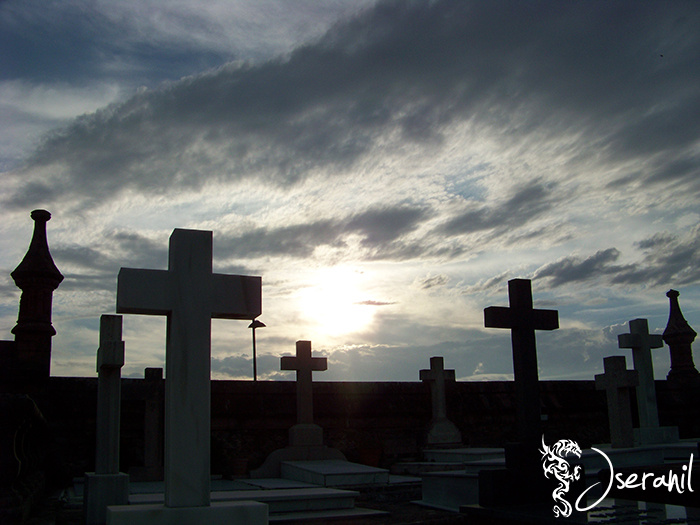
x=240, y=513
x=334, y=473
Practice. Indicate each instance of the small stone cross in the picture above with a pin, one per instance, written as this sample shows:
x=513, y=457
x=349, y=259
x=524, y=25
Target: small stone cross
x=617, y=381
x=522, y=319
x=641, y=342
x=442, y=430
x=190, y=295
x=436, y=378
x=110, y=360
x=304, y=364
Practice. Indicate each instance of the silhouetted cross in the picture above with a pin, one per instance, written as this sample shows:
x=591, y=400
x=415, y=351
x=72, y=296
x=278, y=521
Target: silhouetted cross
x=304, y=364
x=523, y=320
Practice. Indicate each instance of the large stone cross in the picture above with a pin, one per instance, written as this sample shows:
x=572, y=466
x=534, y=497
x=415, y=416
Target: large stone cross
x=523, y=320
x=441, y=429
x=190, y=295
x=617, y=381
x=304, y=364
x=641, y=342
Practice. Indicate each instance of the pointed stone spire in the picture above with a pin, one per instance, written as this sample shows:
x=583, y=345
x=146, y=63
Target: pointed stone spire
x=37, y=277
x=679, y=336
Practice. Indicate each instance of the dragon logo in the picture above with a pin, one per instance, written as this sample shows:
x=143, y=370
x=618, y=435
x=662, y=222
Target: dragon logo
x=553, y=462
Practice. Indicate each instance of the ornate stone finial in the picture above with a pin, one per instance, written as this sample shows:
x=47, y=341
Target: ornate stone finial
x=37, y=277
x=37, y=267
x=677, y=329
x=679, y=336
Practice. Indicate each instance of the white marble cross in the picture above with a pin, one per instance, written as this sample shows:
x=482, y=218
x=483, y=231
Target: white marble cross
x=190, y=295
x=641, y=342
x=304, y=364
x=617, y=381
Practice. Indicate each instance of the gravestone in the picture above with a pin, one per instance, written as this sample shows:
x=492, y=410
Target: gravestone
x=617, y=381
x=641, y=342
x=190, y=295
x=442, y=431
x=679, y=337
x=522, y=458
x=305, y=432
x=305, y=438
x=107, y=486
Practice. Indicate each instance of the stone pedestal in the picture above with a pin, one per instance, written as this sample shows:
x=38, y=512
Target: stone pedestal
x=227, y=512
x=102, y=490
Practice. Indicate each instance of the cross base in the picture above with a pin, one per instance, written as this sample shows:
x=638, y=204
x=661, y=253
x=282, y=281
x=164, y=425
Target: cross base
x=655, y=435
x=443, y=432
x=306, y=435
x=102, y=490
x=224, y=512
x=272, y=467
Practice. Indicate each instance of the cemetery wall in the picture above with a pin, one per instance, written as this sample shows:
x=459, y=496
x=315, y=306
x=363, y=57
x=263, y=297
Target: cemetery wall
x=373, y=423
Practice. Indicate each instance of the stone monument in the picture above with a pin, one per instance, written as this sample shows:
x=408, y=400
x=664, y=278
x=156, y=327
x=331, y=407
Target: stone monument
x=190, y=295
x=679, y=337
x=107, y=486
x=305, y=438
x=641, y=342
x=617, y=381
x=442, y=431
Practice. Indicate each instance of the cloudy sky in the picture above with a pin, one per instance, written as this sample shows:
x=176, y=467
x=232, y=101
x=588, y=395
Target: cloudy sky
x=385, y=167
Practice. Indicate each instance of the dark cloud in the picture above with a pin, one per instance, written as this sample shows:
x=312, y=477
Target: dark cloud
x=668, y=260
x=527, y=203
x=576, y=269
x=433, y=281
x=407, y=69
x=370, y=302
x=379, y=231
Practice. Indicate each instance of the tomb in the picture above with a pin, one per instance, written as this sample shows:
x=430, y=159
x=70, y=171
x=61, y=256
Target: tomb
x=190, y=295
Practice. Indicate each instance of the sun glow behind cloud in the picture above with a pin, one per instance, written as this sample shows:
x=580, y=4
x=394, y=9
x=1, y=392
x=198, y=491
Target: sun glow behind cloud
x=335, y=302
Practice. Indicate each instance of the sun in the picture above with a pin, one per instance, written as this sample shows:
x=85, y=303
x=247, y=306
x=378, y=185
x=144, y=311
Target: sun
x=333, y=302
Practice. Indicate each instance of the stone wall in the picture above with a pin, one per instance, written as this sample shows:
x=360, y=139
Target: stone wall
x=373, y=423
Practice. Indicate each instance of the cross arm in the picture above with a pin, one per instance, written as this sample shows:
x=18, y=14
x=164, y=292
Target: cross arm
x=634, y=340
x=498, y=317
x=236, y=296
x=316, y=364
x=143, y=292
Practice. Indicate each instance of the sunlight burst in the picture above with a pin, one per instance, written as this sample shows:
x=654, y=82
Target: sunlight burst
x=333, y=304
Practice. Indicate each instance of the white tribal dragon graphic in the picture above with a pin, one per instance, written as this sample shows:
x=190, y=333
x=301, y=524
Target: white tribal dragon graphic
x=553, y=462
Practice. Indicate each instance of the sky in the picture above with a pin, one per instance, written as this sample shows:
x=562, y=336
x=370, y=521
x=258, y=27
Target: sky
x=385, y=167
